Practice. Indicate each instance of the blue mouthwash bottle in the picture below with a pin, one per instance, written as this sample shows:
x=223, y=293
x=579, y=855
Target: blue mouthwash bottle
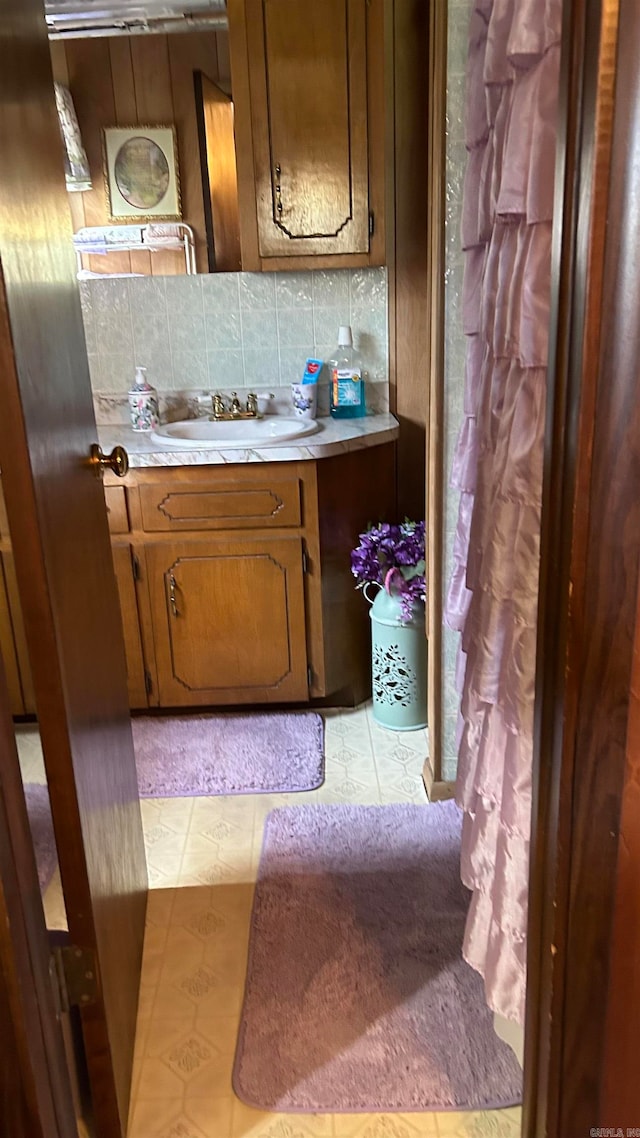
x=347, y=379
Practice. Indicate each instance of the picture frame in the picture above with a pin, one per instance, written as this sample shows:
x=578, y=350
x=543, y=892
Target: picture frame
x=142, y=178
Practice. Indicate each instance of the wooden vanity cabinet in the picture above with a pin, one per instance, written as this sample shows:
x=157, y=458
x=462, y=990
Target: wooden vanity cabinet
x=308, y=84
x=242, y=579
x=234, y=582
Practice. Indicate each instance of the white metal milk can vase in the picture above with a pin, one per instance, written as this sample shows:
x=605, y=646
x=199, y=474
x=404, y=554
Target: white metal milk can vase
x=391, y=557
x=398, y=663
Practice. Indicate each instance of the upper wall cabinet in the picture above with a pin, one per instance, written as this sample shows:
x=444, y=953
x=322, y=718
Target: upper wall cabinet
x=309, y=117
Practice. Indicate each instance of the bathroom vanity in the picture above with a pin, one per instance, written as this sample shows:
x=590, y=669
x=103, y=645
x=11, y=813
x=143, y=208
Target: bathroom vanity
x=233, y=568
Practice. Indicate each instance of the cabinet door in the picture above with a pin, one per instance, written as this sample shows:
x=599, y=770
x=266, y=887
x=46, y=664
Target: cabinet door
x=136, y=679
x=229, y=621
x=308, y=90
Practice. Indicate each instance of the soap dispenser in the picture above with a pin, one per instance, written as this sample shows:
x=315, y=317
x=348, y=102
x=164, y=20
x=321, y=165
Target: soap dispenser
x=143, y=403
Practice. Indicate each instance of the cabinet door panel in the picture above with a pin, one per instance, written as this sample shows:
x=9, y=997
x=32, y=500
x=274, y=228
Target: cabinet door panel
x=308, y=79
x=229, y=621
x=123, y=567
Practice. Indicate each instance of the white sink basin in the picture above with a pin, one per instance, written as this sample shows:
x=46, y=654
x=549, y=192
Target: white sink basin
x=268, y=432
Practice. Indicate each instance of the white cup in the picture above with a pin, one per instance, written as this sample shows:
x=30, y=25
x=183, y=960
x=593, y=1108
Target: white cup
x=304, y=397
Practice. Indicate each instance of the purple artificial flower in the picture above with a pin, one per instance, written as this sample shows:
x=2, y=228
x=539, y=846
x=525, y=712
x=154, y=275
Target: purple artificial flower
x=393, y=556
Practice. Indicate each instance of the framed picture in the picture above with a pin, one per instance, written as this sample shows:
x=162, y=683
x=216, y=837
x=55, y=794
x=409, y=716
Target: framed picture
x=141, y=173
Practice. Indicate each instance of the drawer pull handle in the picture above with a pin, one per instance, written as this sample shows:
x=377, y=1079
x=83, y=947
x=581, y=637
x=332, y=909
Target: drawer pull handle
x=172, y=595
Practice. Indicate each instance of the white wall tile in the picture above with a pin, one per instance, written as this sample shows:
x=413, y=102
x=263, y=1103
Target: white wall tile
x=331, y=287
x=259, y=328
x=261, y=369
x=294, y=290
x=295, y=328
x=225, y=370
x=368, y=286
x=326, y=322
x=223, y=329
x=230, y=330
x=257, y=290
x=220, y=292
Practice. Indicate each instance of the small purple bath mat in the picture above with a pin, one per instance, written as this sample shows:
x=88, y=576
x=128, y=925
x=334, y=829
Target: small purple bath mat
x=191, y=755
x=40, y=821
x=357, y=997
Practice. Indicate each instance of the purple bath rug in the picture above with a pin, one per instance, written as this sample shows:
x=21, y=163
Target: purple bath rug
x=191, y=755
x=357, y=997
x=44, y=843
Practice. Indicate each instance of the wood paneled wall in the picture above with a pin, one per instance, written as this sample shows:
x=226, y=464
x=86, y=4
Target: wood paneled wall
x=141, y=80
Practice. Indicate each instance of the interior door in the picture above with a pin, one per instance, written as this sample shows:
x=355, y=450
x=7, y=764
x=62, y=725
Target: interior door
x=219, y=175
x=308, y=78
x=57, y=519
x=229, y=622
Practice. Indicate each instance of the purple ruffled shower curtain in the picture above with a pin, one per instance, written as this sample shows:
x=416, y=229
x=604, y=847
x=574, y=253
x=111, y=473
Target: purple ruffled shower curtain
x=511, y=108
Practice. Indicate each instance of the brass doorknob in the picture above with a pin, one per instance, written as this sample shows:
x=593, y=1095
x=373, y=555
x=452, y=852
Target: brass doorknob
x=117, y=461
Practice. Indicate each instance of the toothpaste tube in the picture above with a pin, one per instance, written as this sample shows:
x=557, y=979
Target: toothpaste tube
x=312, y=370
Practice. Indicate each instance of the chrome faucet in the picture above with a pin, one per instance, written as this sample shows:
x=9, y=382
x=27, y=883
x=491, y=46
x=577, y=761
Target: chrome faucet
x=235, y=410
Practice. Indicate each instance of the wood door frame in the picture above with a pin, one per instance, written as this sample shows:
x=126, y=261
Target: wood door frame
x=437, y=111
x=588, y=598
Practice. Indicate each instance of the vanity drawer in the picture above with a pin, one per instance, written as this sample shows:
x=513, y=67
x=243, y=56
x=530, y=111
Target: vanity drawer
x=262, y=503
x=117, y=516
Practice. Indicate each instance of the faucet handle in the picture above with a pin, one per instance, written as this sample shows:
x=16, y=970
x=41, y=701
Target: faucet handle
x=252, y=403
x=235, y=408
x=218, y=404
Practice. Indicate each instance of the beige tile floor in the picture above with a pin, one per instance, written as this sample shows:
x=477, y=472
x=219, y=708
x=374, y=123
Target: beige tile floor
x=202, y=855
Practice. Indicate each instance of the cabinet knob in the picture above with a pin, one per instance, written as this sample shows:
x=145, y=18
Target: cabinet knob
x=117, y=461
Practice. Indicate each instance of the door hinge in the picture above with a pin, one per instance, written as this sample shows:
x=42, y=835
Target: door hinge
x=305, y=559
x=148, y=682
x=309, y=675
x=73, y=971
x=135, y=566
x=372, y=223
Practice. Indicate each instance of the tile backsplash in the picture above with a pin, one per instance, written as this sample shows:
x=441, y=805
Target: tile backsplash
x=229, y=331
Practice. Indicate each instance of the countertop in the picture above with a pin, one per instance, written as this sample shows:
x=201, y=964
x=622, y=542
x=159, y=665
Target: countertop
x=335, y=436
